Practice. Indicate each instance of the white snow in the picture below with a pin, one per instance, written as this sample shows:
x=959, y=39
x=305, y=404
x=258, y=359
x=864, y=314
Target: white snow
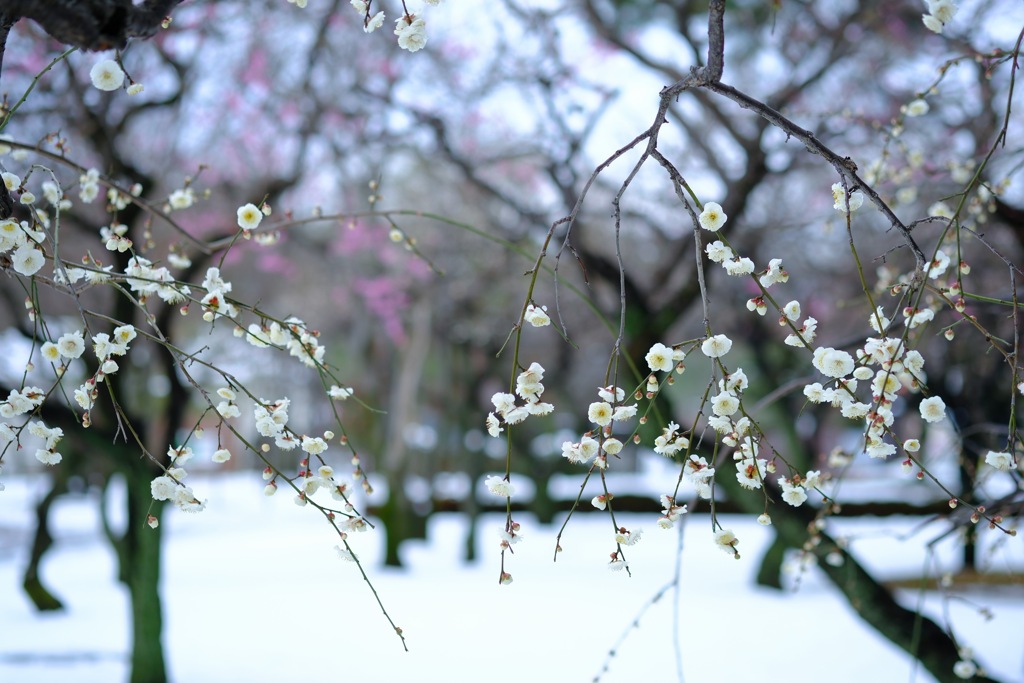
x=254, y=591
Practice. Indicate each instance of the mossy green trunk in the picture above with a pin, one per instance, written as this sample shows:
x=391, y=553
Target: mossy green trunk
x=139, y=559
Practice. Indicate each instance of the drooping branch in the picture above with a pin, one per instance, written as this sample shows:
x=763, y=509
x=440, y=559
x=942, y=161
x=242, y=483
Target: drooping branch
x=710, y=78
x=844, y=166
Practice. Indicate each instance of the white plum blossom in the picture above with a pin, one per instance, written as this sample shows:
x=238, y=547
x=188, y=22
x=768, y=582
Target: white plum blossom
x=581, y=451
x=712, y=217
x=411, y=32
x=613, y=394
x=880, y=449
x=528, y=382
x=373, y=23
x=833, y=362
x=54, y=195
x=162, y=488
x=1001, y=460
x=181, y=199
x=939, y=265
x=727, y=541
x=313, y=445
x=793, y=494
x=339, y=393
x=943, y=10
x=628, y=537
x=670, y=512
x=856, y=199
x=808, y=331
x=940, y=13
x=933, y=409
x=750, y=471
x=915, y=317
x=106, y=75
x=271, y=417
x=725, y=404
x=659, y=358
x=670, y=441
x=50, y=352
x=71, y=345
x=739, y=266
x=493, y=425
x=878, y=321
x=718, y=252
x=537, y=317
x=917, y=107
x=600, y=413
x=503, y=403
x=27, y=260
x=735, y=380
x=716, y=346
x=249, y=216
x=611, y=446
x=500, y=486
x=816, y=393
x=965, y=669
x=124, y=334
x=623, y=413
x=775, y=273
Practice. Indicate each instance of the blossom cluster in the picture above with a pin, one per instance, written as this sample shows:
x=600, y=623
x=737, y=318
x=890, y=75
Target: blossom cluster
x=411, y=29
x=604, y=414
x=144, y=278
x=295, y=337
x=506, y=409
x=170, y=485
x=886, y=366
x=670, y=512
x=24, y=245
x=59, y=354
x=20, y=402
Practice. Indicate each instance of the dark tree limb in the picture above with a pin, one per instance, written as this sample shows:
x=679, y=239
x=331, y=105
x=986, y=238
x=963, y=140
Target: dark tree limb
x=6, y=202
x=916, y=634
x=91, y=24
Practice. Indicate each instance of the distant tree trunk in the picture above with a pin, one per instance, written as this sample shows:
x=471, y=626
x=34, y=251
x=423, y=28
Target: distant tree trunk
x=401, y=521
x=38, y=593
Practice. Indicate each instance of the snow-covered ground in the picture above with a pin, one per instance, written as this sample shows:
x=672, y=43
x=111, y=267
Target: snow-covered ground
x=254, y=591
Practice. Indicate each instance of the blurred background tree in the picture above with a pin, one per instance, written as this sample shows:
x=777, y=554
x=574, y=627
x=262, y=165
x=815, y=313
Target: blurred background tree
x=497, y=126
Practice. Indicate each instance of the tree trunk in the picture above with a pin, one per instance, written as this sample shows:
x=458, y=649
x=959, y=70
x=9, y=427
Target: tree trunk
x=142, y=558
x=37, y=592
x=915, y=633
x=139, y=555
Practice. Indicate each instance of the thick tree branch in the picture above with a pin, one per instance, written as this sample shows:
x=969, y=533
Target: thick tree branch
x=91, y=24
